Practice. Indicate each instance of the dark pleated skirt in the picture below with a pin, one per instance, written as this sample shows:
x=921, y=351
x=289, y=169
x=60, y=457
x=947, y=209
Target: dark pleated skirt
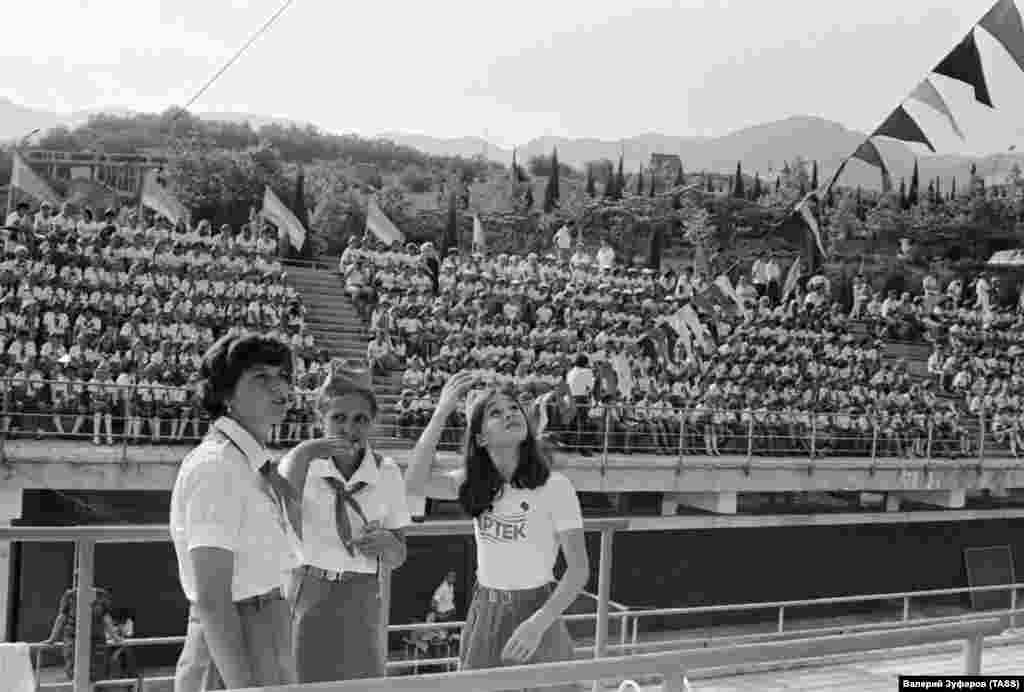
x=493, y=617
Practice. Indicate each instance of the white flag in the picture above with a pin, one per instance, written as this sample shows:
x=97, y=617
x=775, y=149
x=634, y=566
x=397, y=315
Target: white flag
x=380, y=225
x=479, y=239
x=27, y=180
x=157, y=197
x=281, y=216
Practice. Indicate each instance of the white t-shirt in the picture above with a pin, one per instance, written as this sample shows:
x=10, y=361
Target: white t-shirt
x=219, y=501
x=444, y=598
x=517, y=542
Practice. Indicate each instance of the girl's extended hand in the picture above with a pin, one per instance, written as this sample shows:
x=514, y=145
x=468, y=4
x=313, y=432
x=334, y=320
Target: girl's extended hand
x=523, y=643
x=454, y=390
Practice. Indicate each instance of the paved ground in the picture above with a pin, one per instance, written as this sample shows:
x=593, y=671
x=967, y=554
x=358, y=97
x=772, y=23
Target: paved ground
x=872, y=673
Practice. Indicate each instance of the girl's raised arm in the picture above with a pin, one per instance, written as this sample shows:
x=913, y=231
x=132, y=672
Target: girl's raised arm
x=419, y=479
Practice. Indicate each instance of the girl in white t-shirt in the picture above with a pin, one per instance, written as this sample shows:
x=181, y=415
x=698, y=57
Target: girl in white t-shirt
x=523, y=513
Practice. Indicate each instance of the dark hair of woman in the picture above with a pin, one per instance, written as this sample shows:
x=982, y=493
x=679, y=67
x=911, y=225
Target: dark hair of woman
x=229, y=357
x=483, y=482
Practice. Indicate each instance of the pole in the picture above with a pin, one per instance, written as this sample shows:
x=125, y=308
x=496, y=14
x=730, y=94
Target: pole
x=604, y=587
x=385, y=608
x=84, y=595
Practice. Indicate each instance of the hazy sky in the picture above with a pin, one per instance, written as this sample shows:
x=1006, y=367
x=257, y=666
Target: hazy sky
x=509, y=70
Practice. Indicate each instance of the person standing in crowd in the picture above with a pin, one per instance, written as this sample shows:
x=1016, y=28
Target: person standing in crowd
x=581, y=385
x=523, y=513
x=103, y=631
x=563, y=241
x=353, y=514
x=442, y=604
x=606, y=256
x=428, y=257
x=230, y=515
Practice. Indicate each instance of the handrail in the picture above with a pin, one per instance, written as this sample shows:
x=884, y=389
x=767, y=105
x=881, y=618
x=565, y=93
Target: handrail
x=832, y=600
x=672, y=665
x=151, y=533
x=85, y=539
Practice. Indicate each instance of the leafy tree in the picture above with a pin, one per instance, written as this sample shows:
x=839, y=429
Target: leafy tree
x=222, y=185
x=415, y=179
x=541, y=167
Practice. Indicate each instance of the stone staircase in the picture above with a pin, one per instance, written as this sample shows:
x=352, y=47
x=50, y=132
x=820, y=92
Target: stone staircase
x=334, y=323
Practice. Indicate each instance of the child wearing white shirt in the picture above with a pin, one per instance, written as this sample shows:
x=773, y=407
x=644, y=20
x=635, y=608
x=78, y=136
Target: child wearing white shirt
x=353, y=513
x=519, y=526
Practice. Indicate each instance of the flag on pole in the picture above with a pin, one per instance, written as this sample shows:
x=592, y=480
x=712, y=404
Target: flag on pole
x=810, y=217
x=275, y=211
x=160, y=199
x=27, y=180
x=791, y=278
x=380, y=224
x=479, y=239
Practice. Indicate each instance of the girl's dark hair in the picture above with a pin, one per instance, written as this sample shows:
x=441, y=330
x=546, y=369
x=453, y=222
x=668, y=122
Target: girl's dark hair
x=229, y=357
x=483, y=482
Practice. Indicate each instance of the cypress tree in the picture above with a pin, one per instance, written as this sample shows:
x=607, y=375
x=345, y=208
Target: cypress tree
x=710, y=184
x=529, y=198
x=591, y=190
x=952, y=190
x=757, y=187
x=556, y=192
x=654, y=180
x=778, y=184
x=913, y=197
x=620, y=180
x=640, y=182
x=814, y=176
x=903, y=194
x=938, y=191
x=680, y=178
x=737, y=190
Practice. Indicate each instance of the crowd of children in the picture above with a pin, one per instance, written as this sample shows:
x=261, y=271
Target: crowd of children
x=103, y=325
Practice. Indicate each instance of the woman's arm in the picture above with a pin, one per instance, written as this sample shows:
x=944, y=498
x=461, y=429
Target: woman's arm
x=577, y=573
x=419, y=480
x=222, y=627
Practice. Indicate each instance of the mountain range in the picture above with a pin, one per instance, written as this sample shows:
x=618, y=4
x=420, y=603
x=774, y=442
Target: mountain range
x=760, y=148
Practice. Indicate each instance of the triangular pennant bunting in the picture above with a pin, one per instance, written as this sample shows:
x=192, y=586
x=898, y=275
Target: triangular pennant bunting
x=926, y=93
x=1004, y=23
x=964, y=64
x=899, y=125
x=868, y=153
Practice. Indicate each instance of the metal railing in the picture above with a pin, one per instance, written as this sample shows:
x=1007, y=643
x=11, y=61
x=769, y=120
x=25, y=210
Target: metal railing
x=673, y=666
x=783, y=608
x=85, y=539
x=628, y=619
x=141, y=414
